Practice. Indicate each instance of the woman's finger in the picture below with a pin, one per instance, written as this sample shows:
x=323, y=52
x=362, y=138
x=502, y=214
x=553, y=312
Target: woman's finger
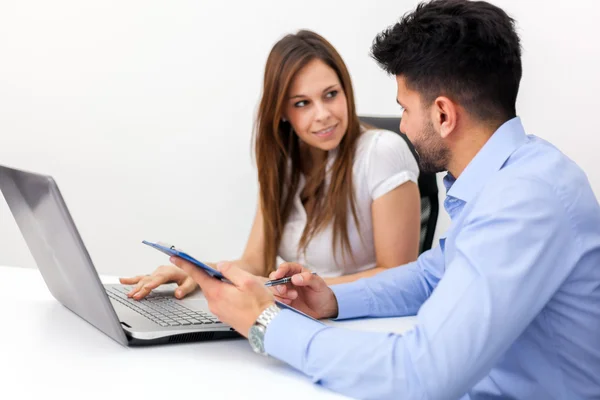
x=139, y=286
x=187, y=287
x=131, y=280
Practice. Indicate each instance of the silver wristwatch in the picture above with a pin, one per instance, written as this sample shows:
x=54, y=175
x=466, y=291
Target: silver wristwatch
x=256, y=335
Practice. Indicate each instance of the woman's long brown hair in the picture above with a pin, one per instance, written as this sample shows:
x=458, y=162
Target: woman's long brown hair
x=278, y=157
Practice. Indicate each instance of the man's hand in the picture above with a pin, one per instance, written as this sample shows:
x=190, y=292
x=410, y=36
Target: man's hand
x=308, y=293
x=237, y=305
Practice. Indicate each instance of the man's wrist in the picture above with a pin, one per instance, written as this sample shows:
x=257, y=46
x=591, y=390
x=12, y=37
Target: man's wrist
x=265, y=317
x=333, y=311
x=259, y=310
x=256, y=334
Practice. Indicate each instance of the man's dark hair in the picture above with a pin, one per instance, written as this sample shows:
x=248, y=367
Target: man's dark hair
x=468, y=51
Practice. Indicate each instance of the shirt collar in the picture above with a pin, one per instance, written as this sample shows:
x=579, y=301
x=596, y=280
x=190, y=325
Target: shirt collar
x=492, y=156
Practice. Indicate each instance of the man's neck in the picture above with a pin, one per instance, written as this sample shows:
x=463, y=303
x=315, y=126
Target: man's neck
x=467, y=143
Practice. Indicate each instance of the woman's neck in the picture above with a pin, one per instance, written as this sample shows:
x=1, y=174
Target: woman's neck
x=312, y=159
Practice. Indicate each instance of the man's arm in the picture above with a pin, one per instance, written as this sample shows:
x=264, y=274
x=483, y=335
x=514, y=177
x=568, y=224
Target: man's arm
x=393, y=293
x=507, y=262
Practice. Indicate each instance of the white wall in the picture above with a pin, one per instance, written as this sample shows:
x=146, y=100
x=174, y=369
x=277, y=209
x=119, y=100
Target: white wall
x=143, y=110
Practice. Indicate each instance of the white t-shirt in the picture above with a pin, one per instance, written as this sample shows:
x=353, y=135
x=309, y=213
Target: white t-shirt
x=382, y=162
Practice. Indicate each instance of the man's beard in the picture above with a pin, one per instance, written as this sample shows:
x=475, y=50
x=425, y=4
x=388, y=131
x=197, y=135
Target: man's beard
x=433, y=153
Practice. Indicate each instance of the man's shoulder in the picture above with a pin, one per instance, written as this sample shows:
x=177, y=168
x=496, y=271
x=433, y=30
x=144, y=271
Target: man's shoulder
x=539, y=161
x=540, y=173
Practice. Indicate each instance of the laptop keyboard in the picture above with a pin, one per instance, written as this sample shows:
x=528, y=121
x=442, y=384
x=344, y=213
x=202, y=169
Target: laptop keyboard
x=162, y=310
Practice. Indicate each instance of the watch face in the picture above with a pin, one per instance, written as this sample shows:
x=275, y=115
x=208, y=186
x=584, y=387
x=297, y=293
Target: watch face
x=256, y=338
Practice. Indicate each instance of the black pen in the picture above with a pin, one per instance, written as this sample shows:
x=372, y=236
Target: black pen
x=281, y=281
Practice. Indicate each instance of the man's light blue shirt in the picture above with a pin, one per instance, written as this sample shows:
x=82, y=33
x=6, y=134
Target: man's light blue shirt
x=508, y=304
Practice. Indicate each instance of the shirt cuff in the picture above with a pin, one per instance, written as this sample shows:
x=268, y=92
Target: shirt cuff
x=288, y=337
x=352, y=299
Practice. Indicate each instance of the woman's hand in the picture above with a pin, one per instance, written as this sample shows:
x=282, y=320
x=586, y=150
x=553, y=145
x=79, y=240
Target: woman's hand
x=144, y=284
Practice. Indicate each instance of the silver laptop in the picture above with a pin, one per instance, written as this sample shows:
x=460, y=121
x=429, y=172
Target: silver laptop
x=59, y=252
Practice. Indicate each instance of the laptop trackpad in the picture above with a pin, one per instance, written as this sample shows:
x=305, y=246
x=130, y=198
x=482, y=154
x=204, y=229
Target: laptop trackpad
x=195, y=301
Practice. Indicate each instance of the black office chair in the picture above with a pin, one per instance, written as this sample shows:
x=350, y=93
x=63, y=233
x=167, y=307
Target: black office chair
x=427, y=184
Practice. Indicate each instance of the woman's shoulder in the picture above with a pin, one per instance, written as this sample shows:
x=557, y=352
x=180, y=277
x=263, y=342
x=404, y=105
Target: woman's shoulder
x=375, y=141
x=384, y=156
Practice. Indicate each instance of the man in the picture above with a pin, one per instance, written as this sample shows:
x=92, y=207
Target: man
x=508, y=304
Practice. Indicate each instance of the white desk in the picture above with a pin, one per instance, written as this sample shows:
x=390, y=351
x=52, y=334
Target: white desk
x=46, y=351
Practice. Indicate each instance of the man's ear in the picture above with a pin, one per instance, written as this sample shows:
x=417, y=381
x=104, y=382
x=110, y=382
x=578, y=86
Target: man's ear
x=445, y=116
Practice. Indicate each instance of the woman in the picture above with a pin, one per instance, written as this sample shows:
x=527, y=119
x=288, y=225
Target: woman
x=336, y=196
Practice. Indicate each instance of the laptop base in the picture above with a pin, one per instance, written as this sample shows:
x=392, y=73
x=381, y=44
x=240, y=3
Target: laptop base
x=184, y=338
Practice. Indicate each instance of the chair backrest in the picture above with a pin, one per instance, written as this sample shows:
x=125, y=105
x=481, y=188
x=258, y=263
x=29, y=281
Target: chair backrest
x=427, y=184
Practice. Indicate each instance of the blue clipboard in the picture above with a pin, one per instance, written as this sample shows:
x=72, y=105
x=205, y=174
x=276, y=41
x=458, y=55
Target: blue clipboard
x=172, y=251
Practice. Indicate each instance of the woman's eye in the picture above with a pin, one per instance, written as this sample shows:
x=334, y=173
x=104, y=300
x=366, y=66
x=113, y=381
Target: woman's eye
x=333, y=93
x=300, y=103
